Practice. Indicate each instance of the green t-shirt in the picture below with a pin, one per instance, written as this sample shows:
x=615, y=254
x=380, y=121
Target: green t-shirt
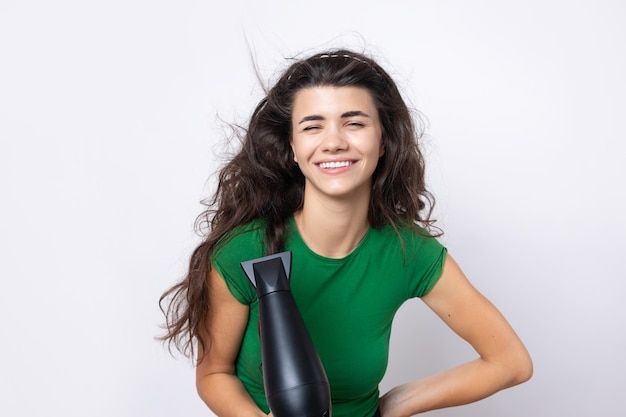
x=347, y=304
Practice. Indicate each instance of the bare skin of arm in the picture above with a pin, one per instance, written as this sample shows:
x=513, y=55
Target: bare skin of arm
x=217, y=384
x=502, y=363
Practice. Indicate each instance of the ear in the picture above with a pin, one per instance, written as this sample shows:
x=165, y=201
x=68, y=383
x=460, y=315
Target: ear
x=381, y=151
x=295, y=158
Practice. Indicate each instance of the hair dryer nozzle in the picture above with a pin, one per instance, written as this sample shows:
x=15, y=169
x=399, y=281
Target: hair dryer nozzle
x=269, y=273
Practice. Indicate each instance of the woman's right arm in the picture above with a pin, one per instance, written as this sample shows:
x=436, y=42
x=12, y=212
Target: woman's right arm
x=217, y=384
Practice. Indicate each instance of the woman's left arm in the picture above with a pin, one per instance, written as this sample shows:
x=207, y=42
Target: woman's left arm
x=503, y=360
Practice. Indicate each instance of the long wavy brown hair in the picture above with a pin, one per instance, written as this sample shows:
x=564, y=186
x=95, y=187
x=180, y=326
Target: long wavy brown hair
x=263, y=181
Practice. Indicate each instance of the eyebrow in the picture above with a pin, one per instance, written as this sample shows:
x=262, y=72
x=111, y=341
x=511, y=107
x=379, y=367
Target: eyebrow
x=347, y=114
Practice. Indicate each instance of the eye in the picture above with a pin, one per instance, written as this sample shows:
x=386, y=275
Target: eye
x=309, y=128
x=355, y=124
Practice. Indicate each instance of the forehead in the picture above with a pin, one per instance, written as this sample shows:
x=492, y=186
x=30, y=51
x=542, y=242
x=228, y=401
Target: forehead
x=329, y=99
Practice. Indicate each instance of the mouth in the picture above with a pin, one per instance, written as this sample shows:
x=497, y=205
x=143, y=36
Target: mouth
x=335, y=164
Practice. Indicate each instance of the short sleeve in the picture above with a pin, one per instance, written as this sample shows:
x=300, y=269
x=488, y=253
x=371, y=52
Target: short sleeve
x=426, y=257
x=240, y=245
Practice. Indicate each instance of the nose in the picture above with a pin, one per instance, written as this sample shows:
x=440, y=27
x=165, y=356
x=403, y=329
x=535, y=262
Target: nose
x=333, y=140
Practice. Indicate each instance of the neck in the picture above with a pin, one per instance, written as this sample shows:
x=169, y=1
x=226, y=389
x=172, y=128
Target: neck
x=333, y=228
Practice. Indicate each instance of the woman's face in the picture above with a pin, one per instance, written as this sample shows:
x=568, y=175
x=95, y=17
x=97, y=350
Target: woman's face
x=337, y=140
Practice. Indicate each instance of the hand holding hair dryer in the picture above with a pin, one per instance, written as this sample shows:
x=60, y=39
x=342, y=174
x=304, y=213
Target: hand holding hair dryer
x=295, y=381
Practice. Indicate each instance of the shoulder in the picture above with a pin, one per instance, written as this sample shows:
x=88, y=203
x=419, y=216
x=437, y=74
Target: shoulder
x=245, y=237
x=416, y=252
x=411, y=239
x=243, y=243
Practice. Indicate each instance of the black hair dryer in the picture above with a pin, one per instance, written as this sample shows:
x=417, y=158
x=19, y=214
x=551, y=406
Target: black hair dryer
x=295, y=381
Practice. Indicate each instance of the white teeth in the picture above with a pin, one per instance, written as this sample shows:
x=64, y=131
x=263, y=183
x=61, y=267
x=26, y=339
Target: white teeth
x=326, y=165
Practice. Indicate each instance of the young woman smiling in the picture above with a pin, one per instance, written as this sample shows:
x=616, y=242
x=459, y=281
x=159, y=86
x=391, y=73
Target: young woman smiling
x=330, y=169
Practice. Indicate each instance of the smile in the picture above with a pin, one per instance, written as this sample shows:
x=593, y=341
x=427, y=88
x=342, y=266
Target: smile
x=334, y=164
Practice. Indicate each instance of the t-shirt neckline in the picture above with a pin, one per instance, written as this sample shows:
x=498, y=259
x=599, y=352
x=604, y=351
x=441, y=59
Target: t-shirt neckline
x=296, y=240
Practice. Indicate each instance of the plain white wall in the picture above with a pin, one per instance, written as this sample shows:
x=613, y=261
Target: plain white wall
x=109, y=133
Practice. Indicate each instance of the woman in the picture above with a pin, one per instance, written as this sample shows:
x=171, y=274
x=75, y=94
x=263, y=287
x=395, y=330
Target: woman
x=330, y=169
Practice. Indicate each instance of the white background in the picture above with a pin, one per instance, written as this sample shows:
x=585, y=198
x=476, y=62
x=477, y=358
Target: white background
x=110, y=130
